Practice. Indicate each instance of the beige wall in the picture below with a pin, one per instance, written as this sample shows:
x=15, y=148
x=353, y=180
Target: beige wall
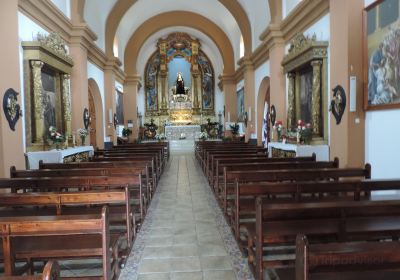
x=11, y=144
x=347, y=138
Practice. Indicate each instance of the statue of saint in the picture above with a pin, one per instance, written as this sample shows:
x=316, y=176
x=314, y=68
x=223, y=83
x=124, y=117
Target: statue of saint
x=180, y=85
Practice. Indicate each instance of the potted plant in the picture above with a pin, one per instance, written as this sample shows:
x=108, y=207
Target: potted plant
x=234, y=129
x=126, y=132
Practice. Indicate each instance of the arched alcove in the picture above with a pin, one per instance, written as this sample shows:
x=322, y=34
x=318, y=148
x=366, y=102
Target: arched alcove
x=263, y=96
x=97, y=120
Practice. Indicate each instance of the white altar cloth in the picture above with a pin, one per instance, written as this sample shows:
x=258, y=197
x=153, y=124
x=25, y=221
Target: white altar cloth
x=321, y=151
x=54, y=156
x=174, y=132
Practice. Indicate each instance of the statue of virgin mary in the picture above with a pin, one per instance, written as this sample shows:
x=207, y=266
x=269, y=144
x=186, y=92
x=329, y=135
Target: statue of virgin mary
x=180, y=85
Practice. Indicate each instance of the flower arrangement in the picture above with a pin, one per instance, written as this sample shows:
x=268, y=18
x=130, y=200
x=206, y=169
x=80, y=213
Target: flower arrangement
x=82, y=133
x=161, y=136
x=203, y=135
x=56, y=136
x=304, y=132
x=279, y=128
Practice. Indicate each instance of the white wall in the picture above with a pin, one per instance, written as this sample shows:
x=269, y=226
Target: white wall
x=288, y=6
x=98, y=75
x=64, y=6
x=382, y=148
x=260, y=73
x=27, y=31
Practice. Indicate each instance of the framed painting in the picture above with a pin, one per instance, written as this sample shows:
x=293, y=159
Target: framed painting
x=382, y=55
x=119, y=101
x=240, y=105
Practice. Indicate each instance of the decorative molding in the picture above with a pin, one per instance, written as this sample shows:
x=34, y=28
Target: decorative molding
x=302, y=50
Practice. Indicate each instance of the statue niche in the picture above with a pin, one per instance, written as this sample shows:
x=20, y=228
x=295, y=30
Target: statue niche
x=180, y=92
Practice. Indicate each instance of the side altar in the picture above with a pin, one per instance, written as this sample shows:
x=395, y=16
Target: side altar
x=279, y=149
x=76, y=154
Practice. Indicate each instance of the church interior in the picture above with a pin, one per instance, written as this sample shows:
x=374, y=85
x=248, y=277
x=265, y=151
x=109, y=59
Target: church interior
x=212, y=139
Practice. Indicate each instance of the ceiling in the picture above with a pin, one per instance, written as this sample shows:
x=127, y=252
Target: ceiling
x=218, y=12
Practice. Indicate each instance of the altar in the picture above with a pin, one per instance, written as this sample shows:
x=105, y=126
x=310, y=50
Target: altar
x=58, y=156
x=279, y=149
x=175, y=132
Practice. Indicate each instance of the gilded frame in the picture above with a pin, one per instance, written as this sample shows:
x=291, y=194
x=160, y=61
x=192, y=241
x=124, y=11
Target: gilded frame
x=381, y=86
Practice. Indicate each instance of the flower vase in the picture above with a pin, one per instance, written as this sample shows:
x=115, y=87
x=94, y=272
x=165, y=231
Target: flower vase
x=82, y=141
x=57, y=146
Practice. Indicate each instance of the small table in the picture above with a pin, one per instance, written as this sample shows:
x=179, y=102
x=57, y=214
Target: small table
x=58, y=156
x=321, y=151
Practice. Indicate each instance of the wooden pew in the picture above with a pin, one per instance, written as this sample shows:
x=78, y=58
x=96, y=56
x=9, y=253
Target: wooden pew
x=60, y=237
x=336, y=258
x=137, y=158
x=151, y=176
x=218, y=162
x=132, y=153
x=164, y=144
x=51, y=271
x=318, y=174
x=57, y=203
x=277, y=224
x=56, y=184
x=132, y=176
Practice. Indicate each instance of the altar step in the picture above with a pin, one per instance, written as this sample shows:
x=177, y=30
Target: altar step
x=181, y=146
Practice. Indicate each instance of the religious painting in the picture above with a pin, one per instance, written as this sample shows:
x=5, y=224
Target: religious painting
x=119, y=101
x=49, y=99
x=207, y=83
x=306, y=87
x=382, y=55
x=151, y=84
x=240, y=105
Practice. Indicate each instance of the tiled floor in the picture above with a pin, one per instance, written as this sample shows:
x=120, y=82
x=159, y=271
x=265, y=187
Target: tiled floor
x=184, y=235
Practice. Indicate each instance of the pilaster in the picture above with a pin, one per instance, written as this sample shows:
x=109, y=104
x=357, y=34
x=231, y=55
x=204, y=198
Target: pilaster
x=131, y=88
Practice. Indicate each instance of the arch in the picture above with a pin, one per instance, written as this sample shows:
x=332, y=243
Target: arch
x=263, y=95
x=77, y=10
x=120, y=8
x=178, y=18
x=94, y=90
x=275, y=9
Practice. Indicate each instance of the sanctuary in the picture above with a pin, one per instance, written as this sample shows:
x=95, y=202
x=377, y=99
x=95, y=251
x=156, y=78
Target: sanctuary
x=179, y=84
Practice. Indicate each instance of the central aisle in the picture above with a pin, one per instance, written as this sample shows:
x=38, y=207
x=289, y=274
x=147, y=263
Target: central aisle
x=184, y=235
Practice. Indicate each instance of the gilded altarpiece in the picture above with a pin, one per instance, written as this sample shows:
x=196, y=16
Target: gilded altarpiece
x=306, y=68
x=47, y=69
x=179, y=83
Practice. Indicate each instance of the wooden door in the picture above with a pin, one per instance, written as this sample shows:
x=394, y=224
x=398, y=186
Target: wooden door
x=92, y=126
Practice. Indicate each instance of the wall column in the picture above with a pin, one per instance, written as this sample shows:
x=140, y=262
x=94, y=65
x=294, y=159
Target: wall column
x=291, y=118
x=66, y=103
x=230, y=99
x=110, y=102
x=79, y=83
x=277, y=78
x=249, y=97
x=38, y=101
x=131, y=89
x=11, y=145
x=347, y=140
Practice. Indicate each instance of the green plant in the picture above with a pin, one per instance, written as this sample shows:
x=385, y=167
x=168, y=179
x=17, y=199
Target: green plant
x=235, y=129
x=126, y=132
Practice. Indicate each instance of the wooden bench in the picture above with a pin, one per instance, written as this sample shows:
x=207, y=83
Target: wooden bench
x=218, y=162
x=319, y=174
x=51, y=271
x=37, y=238
x=132, y=176
x=148, y=164
x=269, y=164
x=336, y=258
x=277, y=224
x=66, y=203
x=55, y=184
